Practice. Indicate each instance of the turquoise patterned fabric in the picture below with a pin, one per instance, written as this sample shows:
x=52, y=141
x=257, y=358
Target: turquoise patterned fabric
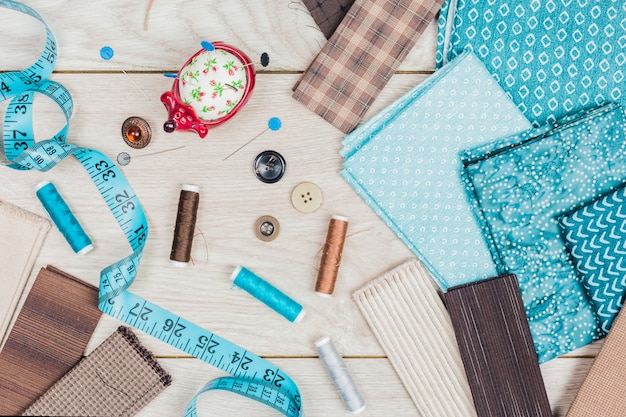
x=596, y=239
x=554, y=57
x=405, y=164
x=520, y=187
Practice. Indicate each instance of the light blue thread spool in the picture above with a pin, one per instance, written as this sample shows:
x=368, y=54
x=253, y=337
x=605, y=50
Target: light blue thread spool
x=267, y=294
x=63, y=218
x=340, y=375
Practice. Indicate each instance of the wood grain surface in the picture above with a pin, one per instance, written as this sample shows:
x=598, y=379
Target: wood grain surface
x=231, y=198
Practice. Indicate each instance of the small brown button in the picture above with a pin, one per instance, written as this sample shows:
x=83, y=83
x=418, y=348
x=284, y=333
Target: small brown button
x=266, y=228
x=136, y=132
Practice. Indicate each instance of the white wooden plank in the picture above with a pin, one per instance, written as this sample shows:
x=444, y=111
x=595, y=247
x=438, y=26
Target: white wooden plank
x=379, y=385
x=283, y=29
x=231, y=200
x=319, y=396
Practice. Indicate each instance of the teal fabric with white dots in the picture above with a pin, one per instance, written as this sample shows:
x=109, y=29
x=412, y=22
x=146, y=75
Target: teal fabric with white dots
x=554, y=57
x=520, y=187
x=404, y=162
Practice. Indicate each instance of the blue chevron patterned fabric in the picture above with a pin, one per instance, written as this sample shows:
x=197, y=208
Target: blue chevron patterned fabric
x=596, y=238
x=520, y=186
x=553, y=57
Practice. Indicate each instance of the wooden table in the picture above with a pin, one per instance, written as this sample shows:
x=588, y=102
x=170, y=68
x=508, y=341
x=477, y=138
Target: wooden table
x=231, y=197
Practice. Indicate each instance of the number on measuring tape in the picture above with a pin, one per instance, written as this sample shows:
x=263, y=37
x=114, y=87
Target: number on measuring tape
x=252, y=376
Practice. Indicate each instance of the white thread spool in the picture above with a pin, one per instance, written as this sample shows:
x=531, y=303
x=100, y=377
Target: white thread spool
x=340, y=375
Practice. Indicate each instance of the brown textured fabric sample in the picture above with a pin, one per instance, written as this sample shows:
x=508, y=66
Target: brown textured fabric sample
x=497, y=348
x=21, y=236
x=603, y=393
x=48, y=338
x=328, y=13
x=117, y=379
x=361, y=56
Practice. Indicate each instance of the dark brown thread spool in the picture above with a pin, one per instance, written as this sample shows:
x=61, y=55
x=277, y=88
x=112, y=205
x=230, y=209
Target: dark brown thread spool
x=331, y=256
x=185, y=225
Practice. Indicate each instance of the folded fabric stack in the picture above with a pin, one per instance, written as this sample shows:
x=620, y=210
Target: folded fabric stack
x=520, y=186
x=553, y=57
x=405, y=164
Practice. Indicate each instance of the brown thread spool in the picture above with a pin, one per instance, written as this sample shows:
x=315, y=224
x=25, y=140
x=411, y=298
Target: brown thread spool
x=185, y=225
x=331, y=256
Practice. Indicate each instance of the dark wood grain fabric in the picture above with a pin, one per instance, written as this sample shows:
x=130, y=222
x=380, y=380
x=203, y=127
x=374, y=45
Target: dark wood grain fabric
x=360, y=58
x=48, y=338
x=497, y=348
x=603, y=393
x=328, y=14
x=117, y=379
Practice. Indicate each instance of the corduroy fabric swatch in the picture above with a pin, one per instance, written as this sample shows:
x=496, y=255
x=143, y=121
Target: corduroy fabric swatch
x=361, y=56
x=21, y=236
x=328, y=14
x=117, y=379
x=603, y=392
x=520, y=186
x=554, y=57
x=404, y=162
x=595, y=236
x=48, y=338
x=497, y=349
x=412, y=325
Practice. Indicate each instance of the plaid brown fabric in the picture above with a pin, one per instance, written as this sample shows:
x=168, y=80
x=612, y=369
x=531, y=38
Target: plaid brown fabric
x=48, y=338
x=328, y=13
x=603, y=392
x=117, y=379
x=361, y=56
x=497, y=349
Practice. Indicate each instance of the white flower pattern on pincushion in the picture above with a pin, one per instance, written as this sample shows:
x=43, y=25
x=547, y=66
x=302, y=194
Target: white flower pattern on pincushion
x=213, y=83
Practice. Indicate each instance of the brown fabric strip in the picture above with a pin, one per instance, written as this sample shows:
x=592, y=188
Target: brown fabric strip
x=328, y=14
x=361, y=56
x=117, y=379
x=603, y=393
x=48, y=338
x=497, y=348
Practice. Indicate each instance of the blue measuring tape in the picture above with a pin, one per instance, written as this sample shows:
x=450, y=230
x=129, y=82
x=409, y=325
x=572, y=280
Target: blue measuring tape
x=252, y=376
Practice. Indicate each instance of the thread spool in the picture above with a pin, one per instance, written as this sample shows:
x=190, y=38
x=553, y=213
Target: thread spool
x=63, y=218
x=331, y=256
x=185, y=225
x=267, y=294
x=340, y=375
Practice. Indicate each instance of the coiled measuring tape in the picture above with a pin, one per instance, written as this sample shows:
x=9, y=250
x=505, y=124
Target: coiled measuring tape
x=252, y=376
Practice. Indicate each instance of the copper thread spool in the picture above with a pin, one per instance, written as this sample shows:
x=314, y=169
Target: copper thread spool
x=185, y=225
x=331, y=256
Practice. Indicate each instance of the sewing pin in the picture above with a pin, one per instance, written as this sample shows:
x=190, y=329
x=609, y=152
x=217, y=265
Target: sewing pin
x=272, y=124
x=123, y=158
x=107, y=53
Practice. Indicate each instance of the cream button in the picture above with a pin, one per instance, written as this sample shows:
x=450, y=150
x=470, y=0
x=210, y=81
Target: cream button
x=306, y=197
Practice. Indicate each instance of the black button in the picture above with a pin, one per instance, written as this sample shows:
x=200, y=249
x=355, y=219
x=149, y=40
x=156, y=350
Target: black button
x=269, y=166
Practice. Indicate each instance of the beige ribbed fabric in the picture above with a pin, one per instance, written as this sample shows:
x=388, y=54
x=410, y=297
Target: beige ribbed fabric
x=412, y=325
x=603, y=393
x=21, y=235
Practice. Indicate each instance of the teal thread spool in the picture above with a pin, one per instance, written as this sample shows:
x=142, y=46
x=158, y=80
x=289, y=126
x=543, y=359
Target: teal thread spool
x=267, y=294
x=63, y=218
